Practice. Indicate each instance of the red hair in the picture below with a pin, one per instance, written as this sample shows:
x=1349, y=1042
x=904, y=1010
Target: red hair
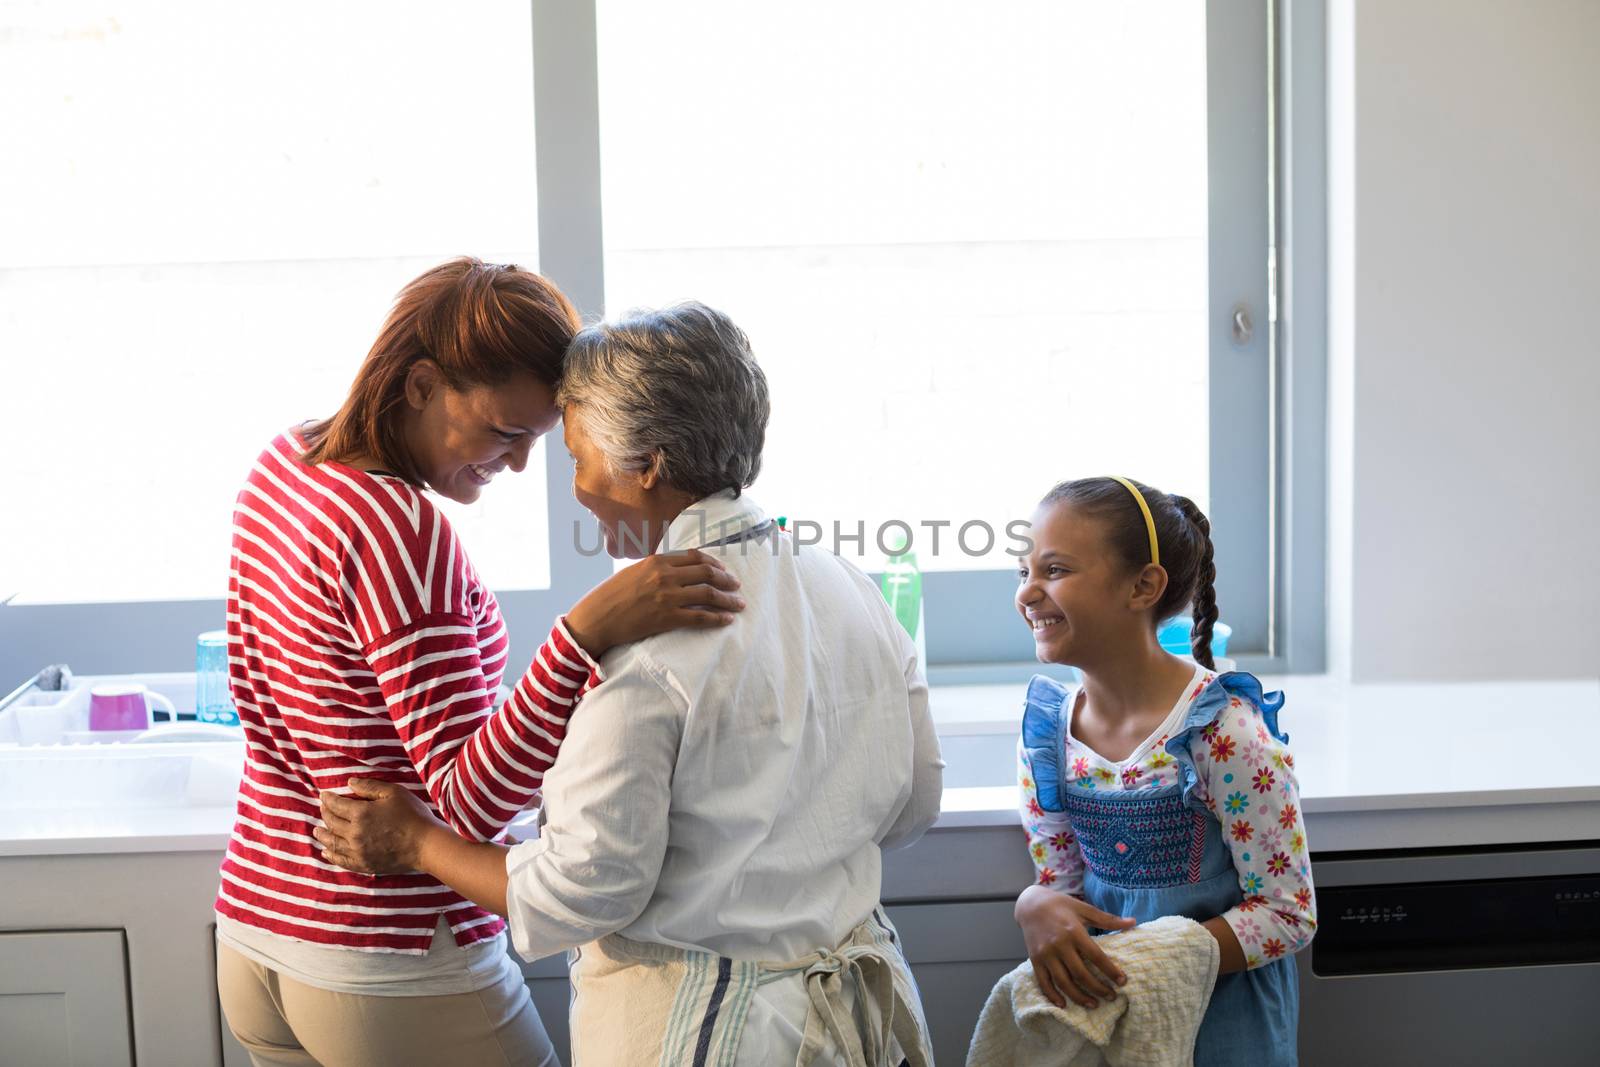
x=479, y=322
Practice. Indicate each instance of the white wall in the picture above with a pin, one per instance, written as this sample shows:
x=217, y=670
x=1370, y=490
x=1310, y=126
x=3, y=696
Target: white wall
x=1464, y=338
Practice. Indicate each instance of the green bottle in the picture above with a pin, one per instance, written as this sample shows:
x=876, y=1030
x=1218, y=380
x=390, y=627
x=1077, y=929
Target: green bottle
x=902, y=588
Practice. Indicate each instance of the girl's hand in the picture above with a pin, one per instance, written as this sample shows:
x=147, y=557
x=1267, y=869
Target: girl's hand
x=378, y=831
x=1068, y=962
x=663, y=592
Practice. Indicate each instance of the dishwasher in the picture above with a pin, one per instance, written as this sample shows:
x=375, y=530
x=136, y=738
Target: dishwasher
x=1454, y=956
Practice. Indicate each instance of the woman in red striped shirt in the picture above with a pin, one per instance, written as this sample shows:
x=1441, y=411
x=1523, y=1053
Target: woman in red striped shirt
x=362, y=643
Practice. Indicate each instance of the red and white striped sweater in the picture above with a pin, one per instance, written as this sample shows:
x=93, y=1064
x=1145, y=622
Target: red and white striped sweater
x=361, y=643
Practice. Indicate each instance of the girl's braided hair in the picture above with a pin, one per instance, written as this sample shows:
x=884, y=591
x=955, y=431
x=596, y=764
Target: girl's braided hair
x=1183, y=535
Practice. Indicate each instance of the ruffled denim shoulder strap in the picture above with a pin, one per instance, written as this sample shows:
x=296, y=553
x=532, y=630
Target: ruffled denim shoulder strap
x=1044, y=728
x=1208, y=706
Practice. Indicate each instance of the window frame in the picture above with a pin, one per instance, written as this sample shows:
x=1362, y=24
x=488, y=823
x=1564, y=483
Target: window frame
x=1268, y=483
x=1267, y=395
x=1266, y=92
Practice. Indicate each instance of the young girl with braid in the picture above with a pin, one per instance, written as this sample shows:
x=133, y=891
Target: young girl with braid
x=1156, y=786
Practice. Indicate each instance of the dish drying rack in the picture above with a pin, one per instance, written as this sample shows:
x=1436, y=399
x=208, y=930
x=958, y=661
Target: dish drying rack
x=36, y=716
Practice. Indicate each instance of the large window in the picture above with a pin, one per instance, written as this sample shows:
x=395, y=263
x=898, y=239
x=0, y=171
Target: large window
x=969, y=245
x=206, y=210
x=978, y=249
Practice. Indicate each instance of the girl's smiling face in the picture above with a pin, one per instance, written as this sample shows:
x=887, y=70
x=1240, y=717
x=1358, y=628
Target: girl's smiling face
x=1076, y=595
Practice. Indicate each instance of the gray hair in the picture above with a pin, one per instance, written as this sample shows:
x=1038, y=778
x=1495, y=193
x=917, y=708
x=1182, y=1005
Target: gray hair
x=676, y=386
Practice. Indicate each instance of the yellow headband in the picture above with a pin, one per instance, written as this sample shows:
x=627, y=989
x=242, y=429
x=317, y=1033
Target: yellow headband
x=1149, y=519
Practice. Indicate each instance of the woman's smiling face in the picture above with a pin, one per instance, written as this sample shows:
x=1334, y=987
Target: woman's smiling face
x=1073, y=591
x=461, y=438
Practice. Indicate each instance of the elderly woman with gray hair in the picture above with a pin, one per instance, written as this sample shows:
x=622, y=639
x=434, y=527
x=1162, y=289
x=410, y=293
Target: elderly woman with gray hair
x=713, y=830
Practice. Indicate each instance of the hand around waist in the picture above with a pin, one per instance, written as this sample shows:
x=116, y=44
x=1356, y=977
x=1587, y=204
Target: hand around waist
x=379, y=830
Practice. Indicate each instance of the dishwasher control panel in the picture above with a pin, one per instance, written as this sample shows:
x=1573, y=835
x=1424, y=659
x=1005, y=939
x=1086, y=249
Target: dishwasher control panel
x=1431, y=926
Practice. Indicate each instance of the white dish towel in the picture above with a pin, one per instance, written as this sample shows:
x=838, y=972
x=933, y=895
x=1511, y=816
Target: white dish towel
x=1171, y=965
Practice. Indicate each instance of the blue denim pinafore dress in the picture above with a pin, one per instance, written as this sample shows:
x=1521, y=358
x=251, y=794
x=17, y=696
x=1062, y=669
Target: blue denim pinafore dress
x=1158, y=851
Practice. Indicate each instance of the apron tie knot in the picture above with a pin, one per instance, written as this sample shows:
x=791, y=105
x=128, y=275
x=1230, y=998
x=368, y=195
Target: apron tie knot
x=873, y=977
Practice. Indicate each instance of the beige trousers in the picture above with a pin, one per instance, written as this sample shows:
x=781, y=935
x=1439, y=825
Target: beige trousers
x=285, y=1023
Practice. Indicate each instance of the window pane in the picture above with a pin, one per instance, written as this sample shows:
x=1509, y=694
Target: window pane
x=969, y=246
x=207, y=210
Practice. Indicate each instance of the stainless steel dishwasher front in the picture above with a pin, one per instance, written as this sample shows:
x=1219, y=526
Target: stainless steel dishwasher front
x=1454, y=957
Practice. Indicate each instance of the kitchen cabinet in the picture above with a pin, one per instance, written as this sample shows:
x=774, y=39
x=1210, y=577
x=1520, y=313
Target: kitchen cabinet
x=136, y=926
x=64, y=999
x=957, y=952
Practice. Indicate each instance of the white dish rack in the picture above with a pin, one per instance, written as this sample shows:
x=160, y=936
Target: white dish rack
x=41, y=717
x=51, y=760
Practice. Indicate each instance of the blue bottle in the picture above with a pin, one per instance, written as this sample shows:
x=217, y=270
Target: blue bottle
x=212, y=700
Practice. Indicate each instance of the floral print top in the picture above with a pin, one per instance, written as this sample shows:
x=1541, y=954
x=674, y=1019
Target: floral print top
x=1246, y=781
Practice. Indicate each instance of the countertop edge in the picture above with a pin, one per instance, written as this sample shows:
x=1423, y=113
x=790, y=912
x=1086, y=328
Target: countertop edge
x=1461, y=820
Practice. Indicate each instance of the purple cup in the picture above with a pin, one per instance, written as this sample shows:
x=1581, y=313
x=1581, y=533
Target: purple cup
x=124, y=707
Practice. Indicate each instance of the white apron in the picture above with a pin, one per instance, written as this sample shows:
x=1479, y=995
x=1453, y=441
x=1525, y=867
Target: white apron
x=635, y=1004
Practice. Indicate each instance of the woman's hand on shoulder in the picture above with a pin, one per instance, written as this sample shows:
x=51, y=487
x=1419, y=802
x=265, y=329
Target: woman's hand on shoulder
x=668, y=591
x=1068, y=962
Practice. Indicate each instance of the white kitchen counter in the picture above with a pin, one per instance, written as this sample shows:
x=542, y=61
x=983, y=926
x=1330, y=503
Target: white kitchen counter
x=1387, y=766
x=1380, y=767
x=86, y=831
